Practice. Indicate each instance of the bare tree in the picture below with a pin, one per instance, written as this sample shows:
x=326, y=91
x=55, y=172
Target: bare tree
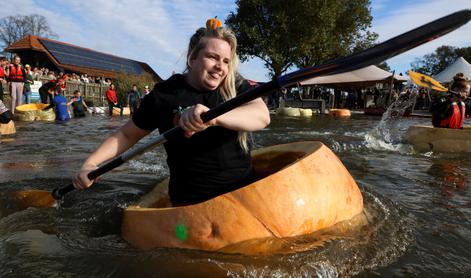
x=13, y=28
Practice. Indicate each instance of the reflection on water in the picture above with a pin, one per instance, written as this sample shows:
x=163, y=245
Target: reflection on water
x=416, y=220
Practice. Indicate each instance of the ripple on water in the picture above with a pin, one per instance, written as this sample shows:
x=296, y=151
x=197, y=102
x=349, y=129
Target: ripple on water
x=86, y=232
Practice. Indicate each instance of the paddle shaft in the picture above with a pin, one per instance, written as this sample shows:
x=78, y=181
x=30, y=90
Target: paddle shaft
x=371, y=56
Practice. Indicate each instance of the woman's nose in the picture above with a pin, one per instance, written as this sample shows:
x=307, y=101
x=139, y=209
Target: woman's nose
x=218, y=64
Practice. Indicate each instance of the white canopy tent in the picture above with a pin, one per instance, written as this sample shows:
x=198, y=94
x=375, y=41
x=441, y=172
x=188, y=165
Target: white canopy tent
x=460, y=65
x=363, y=76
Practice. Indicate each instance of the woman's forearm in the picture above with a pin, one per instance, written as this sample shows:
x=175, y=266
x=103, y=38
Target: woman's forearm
x=251, y=116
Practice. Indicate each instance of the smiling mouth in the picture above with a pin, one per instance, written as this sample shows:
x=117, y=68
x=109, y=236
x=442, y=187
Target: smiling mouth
x=214, y=76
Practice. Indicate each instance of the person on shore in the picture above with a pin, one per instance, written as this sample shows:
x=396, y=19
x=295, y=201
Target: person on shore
x=213, y=157
x=146, y=91
x=78, y=104
x=112, y=99
x=448, y=109
x=134, y=99
x=29, y=80
x=59, y=103
x=3, y=62
x=5, y=114
x=16, y=76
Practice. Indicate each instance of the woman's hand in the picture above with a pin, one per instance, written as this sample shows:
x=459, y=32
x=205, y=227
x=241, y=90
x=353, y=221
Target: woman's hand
x=191, y=121
x=81, y=180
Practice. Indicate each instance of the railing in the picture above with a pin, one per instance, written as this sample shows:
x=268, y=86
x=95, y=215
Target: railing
x=91, y=92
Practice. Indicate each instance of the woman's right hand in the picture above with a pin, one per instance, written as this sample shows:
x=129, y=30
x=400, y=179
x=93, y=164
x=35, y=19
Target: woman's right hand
x=81, y=180
x=190, y=120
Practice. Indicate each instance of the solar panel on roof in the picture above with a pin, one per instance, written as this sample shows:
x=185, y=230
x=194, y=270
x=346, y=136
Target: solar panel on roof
x=75, y=56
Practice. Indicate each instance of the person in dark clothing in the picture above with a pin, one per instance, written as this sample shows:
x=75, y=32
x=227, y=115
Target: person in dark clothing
x=45, y=91
x=134, y=99
x=78, y=104
x=212, y=158
x=467, y=101
x=5, y=115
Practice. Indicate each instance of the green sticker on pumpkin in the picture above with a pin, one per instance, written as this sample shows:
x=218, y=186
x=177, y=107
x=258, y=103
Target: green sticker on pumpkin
x=181, y=232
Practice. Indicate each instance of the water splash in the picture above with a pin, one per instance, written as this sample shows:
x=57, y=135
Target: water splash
x=389, y=133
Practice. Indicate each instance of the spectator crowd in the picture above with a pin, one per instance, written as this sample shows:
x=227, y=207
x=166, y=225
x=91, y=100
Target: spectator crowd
x=18, y=78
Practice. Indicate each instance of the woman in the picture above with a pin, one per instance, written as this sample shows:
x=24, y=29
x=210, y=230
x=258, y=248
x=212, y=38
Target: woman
x=448, y=111
x=214, y=157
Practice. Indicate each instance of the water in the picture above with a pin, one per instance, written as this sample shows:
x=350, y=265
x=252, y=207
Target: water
x=417, y=208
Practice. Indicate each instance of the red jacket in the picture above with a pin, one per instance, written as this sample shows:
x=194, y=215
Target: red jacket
x=16, y=73
x=62, y=82
x=456, y=119
x=2, y=72
x=111, y=96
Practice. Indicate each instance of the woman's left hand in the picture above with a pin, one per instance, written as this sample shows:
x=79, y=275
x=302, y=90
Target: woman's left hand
x=191, y=121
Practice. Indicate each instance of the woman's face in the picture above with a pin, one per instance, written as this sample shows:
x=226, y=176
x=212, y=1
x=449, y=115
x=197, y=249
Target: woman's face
x=463, y=92
x=209, y=68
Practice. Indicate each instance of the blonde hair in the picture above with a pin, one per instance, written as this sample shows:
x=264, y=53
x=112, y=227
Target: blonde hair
x=227, y=88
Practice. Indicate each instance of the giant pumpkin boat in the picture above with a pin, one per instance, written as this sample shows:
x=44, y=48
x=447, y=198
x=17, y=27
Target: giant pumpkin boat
x=8, y=128
x=301, y=188
x=428, y=138
x=34, y=112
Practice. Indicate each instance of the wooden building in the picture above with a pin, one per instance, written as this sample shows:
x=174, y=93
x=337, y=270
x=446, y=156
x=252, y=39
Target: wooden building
x=59, y=56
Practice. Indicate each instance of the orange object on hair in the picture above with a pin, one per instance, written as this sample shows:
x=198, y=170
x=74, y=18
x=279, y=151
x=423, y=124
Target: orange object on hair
x=213, y=23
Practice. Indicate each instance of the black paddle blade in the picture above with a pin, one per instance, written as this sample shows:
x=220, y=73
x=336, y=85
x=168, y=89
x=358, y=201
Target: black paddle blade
x=384, y=50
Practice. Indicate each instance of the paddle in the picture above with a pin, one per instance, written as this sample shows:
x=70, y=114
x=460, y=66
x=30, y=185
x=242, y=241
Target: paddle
x=374, y=55
x=428, y=82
